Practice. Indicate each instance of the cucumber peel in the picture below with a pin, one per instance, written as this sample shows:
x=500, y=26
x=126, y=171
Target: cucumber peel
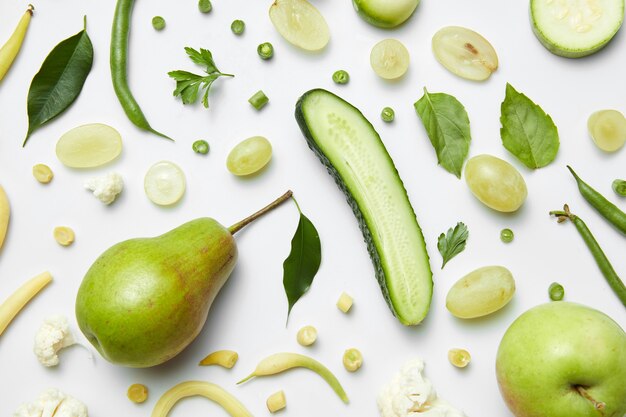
x=576, y=28
x=347, y=144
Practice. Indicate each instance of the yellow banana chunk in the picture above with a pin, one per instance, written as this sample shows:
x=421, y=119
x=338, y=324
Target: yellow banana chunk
x=205, y=389
x=12, y=47
x=5, y=213
x=224, y=358
x=12, y=306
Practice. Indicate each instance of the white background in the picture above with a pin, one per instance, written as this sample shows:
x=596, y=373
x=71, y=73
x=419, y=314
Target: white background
x=249, y=315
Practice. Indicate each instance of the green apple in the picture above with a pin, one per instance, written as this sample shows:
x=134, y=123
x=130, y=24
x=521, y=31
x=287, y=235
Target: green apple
x=563, y=359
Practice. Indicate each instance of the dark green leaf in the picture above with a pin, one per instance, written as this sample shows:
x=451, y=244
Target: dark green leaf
x=527, y=131
x=303, y=261
x=59, y=81
x=448, y=128
x=453, y=242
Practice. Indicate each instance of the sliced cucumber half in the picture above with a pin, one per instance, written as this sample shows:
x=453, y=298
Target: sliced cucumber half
x=346, y=142
x=576, y=28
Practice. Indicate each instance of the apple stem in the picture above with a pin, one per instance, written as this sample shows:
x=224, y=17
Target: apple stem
x=240, y=225
x=598, y=405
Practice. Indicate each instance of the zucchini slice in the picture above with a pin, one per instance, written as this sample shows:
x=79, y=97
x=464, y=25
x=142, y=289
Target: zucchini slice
x=576, y=28
x=347, y=144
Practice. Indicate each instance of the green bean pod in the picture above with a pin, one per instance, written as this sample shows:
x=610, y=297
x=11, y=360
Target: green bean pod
x=119, y=66
x=603, y=262
x=603, y=206
x=281, y=362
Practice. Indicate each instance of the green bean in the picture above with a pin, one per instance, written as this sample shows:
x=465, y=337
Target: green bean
x=119, y=66
x=601, y=260
x=603, y=206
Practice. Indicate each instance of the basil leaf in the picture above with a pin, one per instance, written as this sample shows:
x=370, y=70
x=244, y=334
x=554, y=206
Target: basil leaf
x=60, y=80
x=453, y=242
x=303, y=261
x=527, y=131
x=448, y=128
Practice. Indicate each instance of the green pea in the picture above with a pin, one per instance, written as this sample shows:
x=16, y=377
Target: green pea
x=265, y=50
x=341, y=77
x=619, y=186
x=158, y=23
x=507, y=236
x=201, y=147
x=388, y=115
x=238, y=26
x=556, y=291
x=205, y=6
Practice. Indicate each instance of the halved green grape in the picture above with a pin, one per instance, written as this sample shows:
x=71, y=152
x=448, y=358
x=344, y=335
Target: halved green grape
x=89, y=146
x=300, y=23
x=607, y=129
x=465, y=53
x=164, y=183
x=389, y=59
x=249, y=156
x=481, y=292
x=496, y=183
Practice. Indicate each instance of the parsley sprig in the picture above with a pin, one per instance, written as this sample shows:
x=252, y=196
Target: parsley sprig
x=188, y=84
x=453, y=242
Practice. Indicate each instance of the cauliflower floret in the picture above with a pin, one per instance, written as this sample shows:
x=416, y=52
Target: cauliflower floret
x=106, y=188
x=53, y=335
x=410, y=394
x=52, y=403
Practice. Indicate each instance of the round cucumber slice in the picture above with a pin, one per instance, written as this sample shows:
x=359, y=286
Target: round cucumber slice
x=576, y=28
x=385, y=13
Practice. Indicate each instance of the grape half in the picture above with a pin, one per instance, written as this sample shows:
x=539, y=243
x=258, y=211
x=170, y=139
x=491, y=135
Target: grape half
x=164, y=183
x=389, y=59
x=465, y=53
x=607, y=129
x=300, y=23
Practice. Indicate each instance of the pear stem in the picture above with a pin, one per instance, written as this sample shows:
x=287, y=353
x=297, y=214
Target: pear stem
x=240, y=225
x=598, y=405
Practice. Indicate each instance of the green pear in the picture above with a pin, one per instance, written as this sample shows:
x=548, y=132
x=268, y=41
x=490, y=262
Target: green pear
x=563, y=359
x=144, y=300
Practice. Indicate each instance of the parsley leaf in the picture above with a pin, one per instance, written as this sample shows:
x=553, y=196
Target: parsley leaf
x=453, y=242
x=188, y=84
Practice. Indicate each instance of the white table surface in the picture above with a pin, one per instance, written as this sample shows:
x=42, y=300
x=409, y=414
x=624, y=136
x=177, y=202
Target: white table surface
x=249, y=315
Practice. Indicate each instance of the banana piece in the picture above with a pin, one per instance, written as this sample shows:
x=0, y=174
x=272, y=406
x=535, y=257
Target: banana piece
x=14, y=304
x=205, y=389
x=5, y=213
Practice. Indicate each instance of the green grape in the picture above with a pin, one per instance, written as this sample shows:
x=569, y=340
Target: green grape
x=607, y=129
x=481, y=292
x=300, y=23
x=249, y=156
x=496, y=183
x=389, y=59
